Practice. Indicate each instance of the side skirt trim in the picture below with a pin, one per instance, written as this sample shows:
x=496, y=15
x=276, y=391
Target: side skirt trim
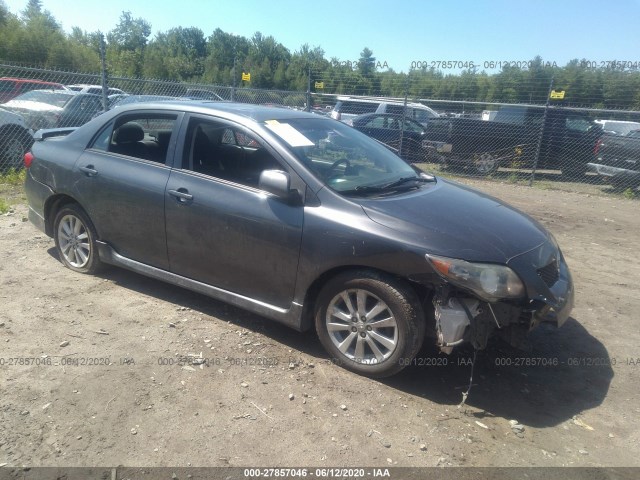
x=289, y=316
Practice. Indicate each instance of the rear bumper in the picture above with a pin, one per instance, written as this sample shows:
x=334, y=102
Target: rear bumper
x=609, y=171
x=37, y=195
x=37, y=220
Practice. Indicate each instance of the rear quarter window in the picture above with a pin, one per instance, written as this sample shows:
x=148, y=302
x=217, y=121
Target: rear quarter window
x=395, y=109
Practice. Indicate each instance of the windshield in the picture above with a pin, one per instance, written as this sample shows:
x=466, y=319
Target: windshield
x=51, y=98
x=341, y=157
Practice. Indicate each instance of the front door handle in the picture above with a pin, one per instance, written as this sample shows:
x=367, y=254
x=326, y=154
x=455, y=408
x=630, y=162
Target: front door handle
x=182, y=195
x=89, y=170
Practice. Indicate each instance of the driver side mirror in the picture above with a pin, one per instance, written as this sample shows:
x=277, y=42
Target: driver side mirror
x=277, y=183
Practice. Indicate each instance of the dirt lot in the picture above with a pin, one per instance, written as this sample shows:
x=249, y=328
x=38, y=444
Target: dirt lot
x=123, y=389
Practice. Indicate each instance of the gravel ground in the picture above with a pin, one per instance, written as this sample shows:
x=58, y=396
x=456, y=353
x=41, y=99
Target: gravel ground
x=119, y=369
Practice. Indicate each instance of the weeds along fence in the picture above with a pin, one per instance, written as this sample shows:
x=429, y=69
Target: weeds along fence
x=532, y=133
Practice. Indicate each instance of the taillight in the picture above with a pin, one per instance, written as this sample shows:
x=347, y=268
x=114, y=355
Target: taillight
x=596, y=149
x=28, y=158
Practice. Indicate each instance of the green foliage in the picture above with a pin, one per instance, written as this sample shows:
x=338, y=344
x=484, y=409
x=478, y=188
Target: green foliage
x=4, y=206
x=13, y=177
x=187, y=55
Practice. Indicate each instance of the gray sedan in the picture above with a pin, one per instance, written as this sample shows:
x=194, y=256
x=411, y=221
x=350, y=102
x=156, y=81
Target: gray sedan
x=298, y=218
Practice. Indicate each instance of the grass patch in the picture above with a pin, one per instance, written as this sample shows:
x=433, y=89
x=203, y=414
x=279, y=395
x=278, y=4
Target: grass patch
x=4, y=206
x=630, y=193
x=13, y=177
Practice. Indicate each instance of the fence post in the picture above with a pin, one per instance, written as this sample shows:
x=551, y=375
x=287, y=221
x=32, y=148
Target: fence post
x=233, y=72
x=103, y=62
x=308, y=107
x=404, y=114
x=539, y=146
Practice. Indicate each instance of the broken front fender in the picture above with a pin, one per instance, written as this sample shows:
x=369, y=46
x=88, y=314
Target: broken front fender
x=548, y=282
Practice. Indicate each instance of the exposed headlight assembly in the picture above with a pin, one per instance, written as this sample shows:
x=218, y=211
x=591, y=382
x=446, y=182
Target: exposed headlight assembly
x=488, y=281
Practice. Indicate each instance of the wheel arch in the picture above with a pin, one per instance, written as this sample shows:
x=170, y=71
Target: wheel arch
x=52, y=206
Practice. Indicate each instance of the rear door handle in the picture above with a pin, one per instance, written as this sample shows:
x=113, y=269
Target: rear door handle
x=182, y=195
x=89, y=170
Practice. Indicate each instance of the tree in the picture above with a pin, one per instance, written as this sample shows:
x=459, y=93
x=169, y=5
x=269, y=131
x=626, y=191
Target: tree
x=178, y=54
x=130, y=34
x=367, y=63
x=126, y=45
x=33, y=13
x=223, y=51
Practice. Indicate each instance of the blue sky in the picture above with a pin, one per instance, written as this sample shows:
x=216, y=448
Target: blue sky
x=398, y=31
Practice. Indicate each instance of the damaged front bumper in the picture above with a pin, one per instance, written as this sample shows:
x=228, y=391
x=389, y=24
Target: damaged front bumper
x=461, y=317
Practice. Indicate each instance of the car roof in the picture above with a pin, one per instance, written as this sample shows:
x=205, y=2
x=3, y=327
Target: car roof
x=30, y=80
x=63, y=92
x=90, y=85
x=257, y=113
x=382, y=100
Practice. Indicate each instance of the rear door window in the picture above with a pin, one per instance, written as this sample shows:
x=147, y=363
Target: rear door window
x=142, y=136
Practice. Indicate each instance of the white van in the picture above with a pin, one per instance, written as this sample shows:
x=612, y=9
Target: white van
x=346, y=108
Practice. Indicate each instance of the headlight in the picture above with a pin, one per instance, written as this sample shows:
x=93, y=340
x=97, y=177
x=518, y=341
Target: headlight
x=488, y=281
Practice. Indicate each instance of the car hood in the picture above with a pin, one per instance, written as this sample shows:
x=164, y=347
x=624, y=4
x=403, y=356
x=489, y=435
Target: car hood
x=455, y=221
x=7, y=116
x=31, y=106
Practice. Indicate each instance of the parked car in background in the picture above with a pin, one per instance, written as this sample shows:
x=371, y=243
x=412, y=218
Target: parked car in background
x=15, y=139
x=489, y=115
x=568, y=140
x=618, y=127
x=95, y=89
x=129, y=99
x=618, y=159
x=390, y=129
x=346, y=108
x=300, y=219
x=200, y=94
x=55, y=108
x=12, y=87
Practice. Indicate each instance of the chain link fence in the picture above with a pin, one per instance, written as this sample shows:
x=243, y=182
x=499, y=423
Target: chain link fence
x=563, y=146
x=36, y=98
x=546, y=140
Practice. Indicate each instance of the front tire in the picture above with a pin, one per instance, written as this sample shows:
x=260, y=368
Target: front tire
x=75, y=238
x=370, y=323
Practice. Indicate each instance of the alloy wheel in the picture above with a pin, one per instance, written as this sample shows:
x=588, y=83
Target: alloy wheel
x=361, y=326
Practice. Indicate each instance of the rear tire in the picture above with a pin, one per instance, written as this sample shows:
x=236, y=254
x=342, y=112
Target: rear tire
x=13, y=146
x=573, y=171
x=75, y=238
x=485, y=164
x=370, y=323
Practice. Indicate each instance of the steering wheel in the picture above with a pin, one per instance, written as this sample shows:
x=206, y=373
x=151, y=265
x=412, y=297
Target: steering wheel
x=338, y=162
